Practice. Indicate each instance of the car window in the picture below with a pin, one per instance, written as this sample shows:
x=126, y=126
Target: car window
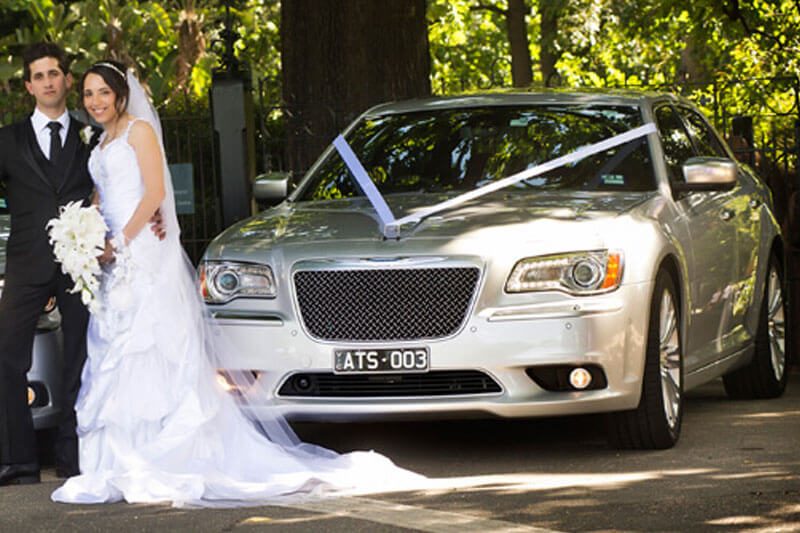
x=457, y=150
x=675, y=142
x=705, y=140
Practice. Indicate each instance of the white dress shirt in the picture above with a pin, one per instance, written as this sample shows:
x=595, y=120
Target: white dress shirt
x=40, y=122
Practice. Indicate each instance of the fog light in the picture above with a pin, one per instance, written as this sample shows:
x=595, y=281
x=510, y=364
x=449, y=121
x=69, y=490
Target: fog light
x=31, y=396
x=580, y=378
x=222, y=381
x=237, y=381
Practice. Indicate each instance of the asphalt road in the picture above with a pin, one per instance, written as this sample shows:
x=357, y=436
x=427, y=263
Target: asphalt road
x=736, y=468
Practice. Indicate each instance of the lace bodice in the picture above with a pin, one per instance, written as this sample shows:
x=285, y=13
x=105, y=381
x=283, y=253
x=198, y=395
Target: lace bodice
x=116, y=174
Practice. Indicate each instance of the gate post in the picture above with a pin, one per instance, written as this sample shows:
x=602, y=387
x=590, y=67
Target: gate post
x=232, y=120
x=742, y=137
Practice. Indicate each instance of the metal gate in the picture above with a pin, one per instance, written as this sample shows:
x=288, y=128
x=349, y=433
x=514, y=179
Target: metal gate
x=760, y=119
x=189, y=142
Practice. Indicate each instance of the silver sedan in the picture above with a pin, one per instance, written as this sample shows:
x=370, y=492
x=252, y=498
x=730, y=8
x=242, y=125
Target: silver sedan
x=509, y=255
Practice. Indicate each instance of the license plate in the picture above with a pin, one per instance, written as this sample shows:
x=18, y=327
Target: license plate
x=381, y=360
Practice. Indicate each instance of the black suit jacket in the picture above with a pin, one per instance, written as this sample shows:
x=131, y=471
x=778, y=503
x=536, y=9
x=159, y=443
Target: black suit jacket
x=34, y=197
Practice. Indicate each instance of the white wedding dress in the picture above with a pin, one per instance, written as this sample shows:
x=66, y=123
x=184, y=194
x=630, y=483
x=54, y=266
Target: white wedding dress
x=153, y=424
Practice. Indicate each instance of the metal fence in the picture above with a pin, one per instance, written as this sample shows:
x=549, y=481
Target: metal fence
x=760, y=118
x=190, y=139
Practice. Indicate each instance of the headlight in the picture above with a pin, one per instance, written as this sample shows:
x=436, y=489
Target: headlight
x=576, y=273
x=221, y=282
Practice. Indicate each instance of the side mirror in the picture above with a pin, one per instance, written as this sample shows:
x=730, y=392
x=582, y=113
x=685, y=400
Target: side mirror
x=271, y=187
x=707, y=174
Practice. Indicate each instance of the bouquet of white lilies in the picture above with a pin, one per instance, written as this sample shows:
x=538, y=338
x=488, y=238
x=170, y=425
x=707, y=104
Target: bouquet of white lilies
x=78, y=236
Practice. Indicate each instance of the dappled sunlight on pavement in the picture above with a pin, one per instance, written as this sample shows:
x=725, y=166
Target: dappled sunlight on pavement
x=509, y=483
x=735, y=469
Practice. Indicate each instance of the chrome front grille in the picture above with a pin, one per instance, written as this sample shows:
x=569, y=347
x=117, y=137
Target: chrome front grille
x=385, y=304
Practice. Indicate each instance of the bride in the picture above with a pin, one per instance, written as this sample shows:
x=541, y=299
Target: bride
x=153, y=425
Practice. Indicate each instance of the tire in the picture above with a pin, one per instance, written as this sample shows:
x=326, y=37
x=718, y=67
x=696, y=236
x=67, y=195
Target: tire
x=768, y=372
x=656, y=421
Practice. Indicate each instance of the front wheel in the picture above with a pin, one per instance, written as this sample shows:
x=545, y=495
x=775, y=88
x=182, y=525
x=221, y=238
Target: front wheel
x=767, y=374
x=656, y=421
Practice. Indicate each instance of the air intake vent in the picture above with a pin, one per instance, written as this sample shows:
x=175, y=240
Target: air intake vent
x=434, y=383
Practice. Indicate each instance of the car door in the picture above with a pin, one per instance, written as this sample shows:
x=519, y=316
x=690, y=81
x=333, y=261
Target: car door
x=743, y=205
x=710, y=251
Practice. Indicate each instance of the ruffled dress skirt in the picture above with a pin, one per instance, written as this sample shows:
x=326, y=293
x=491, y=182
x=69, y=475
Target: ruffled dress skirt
x=153, y=424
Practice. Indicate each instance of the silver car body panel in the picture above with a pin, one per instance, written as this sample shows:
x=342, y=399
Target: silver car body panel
x=46, y=362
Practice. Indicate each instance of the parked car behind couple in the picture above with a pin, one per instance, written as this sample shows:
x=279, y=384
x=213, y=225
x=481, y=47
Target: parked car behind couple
x=44, y=377
x=508, y=255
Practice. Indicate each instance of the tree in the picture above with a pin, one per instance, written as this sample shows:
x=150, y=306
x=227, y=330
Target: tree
x=469, y=47
x=521, y=66
x=550, y=13
x=340, y=57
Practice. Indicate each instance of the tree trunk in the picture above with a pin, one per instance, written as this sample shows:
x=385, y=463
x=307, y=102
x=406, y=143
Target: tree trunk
x=342, y=56
x=550, y=11
x=691, y=68
x=521, y=67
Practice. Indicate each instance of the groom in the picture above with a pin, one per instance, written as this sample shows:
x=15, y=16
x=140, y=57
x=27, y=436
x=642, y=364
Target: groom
x=43, y=162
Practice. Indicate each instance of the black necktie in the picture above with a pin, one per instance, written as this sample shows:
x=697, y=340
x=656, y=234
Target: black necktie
x=55, y=141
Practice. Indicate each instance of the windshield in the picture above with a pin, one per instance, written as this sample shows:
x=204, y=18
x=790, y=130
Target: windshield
x=457, y=150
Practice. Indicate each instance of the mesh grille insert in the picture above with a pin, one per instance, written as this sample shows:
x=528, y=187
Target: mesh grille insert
x=384, y=304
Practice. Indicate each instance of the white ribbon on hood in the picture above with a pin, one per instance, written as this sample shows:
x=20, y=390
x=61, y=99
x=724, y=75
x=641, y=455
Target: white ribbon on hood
x=391, y=225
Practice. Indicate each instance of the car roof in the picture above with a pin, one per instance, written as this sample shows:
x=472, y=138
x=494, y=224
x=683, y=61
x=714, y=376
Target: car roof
x=519, y=97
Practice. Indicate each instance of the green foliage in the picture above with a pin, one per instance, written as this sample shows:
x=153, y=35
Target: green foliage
x=618, y=42
x=142, y=34
x=599, y=43
x=469, y=48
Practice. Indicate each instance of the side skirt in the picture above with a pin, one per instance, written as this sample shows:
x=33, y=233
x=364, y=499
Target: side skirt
x=718, y=368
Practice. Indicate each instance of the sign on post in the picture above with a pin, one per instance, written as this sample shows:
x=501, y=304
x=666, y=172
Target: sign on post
x=183, y=185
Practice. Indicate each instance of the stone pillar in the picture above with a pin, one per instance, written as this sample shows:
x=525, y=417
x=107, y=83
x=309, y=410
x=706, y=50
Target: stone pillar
x=232, y=115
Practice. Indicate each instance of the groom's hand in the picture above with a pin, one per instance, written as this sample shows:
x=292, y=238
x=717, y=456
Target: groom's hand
x=107, y=257
x=157, y=225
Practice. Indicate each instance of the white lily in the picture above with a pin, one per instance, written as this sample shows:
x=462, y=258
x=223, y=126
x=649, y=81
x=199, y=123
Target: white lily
x=78, y=237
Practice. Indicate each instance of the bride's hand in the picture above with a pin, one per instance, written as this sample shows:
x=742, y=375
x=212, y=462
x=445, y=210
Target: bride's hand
x=157, y=225
x=107, y=257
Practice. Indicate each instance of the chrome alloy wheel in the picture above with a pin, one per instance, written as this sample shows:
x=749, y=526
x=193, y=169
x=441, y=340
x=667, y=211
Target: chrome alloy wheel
x=669, y=358
x=776, y=324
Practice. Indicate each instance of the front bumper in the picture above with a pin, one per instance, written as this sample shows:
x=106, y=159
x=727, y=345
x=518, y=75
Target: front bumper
x=608, y=331
x=45, y=378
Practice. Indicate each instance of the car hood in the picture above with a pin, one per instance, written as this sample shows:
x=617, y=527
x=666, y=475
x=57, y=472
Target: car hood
x=355, y=220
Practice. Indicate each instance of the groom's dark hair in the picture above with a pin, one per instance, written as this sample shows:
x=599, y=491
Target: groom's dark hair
x=37, y=51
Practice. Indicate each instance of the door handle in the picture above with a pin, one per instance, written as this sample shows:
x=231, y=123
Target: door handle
x=726, y=214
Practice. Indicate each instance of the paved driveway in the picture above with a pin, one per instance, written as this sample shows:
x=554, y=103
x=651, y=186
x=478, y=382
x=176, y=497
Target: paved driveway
x=736, y=468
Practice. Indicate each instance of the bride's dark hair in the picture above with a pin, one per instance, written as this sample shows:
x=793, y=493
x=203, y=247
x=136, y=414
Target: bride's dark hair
x=113, y=73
